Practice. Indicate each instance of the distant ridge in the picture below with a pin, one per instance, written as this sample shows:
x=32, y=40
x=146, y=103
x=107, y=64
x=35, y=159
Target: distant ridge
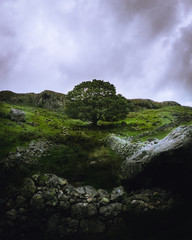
x=140, y=104
x=46, y=99
x=56, y=101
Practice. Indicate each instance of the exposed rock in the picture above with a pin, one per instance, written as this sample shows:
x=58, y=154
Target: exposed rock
x=50, y=196
x=151, y=200
x=46, y=99
x=170, y=103
x=118, y=194
x=169, y=159
x=51, y=181
x=83, y=210
x=64, y=205
x=125, y=147
x=141, y=104
x=17, y=115
x=53, y=100
x=57, y=210
x=37, y=202
x=101, y=193
x=110, y=211
x=28, y=155
x=50, y=100
x=90, y=191
x=80, y=190
x=102, y=196
x=29, y=188
x=86, y=190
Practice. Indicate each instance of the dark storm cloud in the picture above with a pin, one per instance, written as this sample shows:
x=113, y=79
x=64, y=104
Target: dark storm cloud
x=134, y=44
x=155, y=17
x=180, y=68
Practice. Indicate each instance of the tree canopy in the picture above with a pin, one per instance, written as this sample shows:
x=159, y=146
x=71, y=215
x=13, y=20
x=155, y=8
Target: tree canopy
x=96, y=100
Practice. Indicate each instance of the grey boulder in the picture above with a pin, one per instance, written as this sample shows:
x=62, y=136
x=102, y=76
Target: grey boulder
x=17, y=115
x=169, y=159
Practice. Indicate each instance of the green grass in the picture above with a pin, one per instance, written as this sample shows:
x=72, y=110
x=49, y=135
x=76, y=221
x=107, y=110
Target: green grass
x=40, y=124
x=82, y=164
x=152, y=120
x=80, y=154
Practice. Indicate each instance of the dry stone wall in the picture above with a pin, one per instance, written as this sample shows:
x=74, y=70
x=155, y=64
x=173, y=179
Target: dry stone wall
x=48, y=205
x=26, y=155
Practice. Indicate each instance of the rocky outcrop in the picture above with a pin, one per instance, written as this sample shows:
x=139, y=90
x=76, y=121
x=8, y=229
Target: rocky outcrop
x=53, y=100
x=26, y=155
x=141, y=104
x=50, y=100
x=46, y=99
x=17, y=115
x=52, y=208
x=167, y=161
x=126, y=147
x=18, y=98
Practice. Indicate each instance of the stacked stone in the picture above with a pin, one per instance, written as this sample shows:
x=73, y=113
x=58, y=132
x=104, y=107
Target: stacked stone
x=49, y=205
x=28, y=155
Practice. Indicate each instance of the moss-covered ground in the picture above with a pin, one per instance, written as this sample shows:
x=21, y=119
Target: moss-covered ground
x=80, y=153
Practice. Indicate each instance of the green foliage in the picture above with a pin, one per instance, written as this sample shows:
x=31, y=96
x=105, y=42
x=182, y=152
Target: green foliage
x=40, y=124
x=95, y=100
x=74, y=162
x=152, y=123
x=80, y=155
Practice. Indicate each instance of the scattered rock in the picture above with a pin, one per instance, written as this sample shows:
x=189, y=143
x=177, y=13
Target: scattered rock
x=110, y=211
x=51, y=181
x=52, y=206
x=17, y=115
x=28, y=155
x=151, y=200
x=37, y=202
x=118, y=194
x=83, y=210
x=29, y=188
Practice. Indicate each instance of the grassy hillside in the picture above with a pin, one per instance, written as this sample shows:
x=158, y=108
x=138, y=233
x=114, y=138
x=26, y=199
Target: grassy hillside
x=141, y=104
x=46, y=99
x=56, y=101
x=80, y=153
x=151, y=123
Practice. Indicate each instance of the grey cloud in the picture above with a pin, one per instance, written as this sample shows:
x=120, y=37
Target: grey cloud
x=179, y=69
x=155, y=17
x=54, y=45
x=9, y=48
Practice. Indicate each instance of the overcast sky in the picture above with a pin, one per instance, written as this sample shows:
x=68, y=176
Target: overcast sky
x=143, y=47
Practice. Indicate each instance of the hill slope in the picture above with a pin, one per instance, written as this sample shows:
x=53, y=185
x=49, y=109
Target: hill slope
x=49, y=142
x=141, y=104
x=78, y=146
x=46, y=99
x=56, y=101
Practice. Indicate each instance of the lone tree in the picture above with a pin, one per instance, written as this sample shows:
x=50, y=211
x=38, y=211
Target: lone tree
x=96, y=100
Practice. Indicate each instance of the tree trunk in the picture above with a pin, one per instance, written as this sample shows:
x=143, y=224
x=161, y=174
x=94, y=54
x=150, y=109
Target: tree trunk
x=94, y=121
